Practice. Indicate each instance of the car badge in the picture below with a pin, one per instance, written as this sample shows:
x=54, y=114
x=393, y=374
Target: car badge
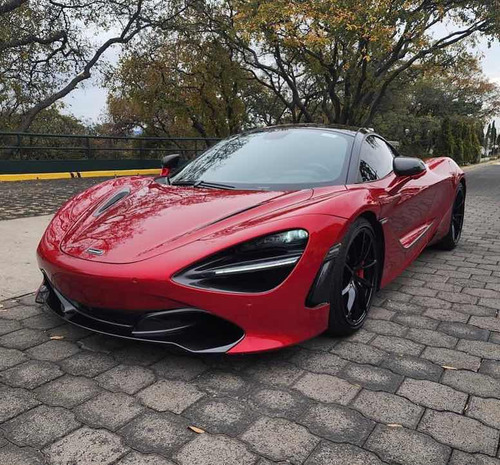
x=93, y=251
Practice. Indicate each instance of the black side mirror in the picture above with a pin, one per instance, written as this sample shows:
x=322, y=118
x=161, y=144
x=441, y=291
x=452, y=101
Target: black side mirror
x=168, y=163
x=408, y=166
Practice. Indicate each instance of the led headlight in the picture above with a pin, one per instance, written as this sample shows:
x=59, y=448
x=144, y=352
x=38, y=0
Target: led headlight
x=254, y=266
x=283, y=239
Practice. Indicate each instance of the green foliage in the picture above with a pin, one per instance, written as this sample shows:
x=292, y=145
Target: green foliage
x=187, y=86
x=458, y=139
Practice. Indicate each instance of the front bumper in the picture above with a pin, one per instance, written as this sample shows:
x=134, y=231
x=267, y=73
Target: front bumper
x=190, y=329
x=264, y=321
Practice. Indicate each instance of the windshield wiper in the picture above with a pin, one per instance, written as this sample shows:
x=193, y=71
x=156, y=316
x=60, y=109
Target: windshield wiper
x=214, y=185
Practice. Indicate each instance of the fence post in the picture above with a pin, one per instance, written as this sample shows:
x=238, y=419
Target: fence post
x=19, y=146
x=89, y=148
x=141, y=148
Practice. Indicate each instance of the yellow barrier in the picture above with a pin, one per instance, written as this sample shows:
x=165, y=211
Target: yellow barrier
x=75, y=174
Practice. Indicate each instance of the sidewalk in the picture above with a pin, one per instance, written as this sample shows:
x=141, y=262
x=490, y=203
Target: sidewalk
x=18, y=241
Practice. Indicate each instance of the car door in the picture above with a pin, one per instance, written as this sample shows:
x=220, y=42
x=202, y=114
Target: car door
x=406, y=204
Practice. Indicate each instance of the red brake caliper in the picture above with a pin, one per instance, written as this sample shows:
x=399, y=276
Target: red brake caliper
x=361, y=272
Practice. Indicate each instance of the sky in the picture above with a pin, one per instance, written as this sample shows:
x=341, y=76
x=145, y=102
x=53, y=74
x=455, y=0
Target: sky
x=88, y=102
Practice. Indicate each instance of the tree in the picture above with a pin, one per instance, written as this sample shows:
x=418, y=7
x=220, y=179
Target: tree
x=181, y=82
x=493, y=136
x=445, y=145
x=335, y=61
x=47, y=48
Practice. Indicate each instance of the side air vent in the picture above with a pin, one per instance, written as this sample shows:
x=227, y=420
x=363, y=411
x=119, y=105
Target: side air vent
x=111, y=201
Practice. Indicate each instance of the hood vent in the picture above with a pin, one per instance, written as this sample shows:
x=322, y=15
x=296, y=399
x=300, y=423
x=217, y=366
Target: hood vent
x=110, y=202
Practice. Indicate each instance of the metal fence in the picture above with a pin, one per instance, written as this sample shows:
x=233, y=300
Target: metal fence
x=38, y=146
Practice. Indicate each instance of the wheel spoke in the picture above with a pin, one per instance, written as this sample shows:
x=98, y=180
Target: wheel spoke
x=369, y=265
x=347, y=288
x=351, y=298
x=365, y=248
x=361, y=299
x=363, y=282
x=349, y=269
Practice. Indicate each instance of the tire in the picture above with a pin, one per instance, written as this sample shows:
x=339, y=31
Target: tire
x=349, y=295
x=452, y=238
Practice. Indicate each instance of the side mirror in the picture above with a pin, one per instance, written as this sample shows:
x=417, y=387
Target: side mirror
x=168, y=163
x=408, y=166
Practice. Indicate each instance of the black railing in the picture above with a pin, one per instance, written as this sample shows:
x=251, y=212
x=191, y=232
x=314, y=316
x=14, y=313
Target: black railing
x=39, y=146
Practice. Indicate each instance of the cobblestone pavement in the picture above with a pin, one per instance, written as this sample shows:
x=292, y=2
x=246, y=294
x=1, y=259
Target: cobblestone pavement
x=33, y=198
x=419, y=385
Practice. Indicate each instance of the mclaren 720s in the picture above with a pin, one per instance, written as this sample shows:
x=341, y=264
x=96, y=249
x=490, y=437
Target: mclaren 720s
x=267, y=239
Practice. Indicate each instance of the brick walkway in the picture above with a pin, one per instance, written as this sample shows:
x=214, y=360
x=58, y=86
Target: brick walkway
x=33, y=198
x=419, y=385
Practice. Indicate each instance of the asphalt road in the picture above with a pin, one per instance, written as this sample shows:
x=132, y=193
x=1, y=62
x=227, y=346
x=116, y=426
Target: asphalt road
x=419, y=385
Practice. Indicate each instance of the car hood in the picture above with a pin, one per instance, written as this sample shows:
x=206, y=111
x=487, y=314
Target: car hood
x=156, y=218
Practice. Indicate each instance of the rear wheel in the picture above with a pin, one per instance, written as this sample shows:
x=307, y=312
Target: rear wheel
x=355, y=278
x=450, y=241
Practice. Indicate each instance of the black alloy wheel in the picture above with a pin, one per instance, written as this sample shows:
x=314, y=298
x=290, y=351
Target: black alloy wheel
x=355, y=279
x=452, y=238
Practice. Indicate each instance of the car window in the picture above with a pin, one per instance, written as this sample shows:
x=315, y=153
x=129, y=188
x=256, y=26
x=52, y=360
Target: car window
x=280, y=158
x=375, y=160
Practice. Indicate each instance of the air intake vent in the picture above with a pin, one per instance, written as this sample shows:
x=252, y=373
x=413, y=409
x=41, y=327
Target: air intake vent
x=110, y=202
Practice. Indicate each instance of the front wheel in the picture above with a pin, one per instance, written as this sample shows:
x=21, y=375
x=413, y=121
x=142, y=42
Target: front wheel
x=354, y=279
x=450, y=241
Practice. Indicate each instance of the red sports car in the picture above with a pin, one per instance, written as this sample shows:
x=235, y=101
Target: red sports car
x=269, y=238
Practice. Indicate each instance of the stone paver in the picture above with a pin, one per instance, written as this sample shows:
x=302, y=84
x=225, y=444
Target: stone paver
x=462, y=458
x=11, y=357
x=433, y=395
x=472, y=383
x=31, y=374
x=86, y=446
x=87, y=363
x=280, y=439
x=276, y=402
x=136, y=458
x=460, y=432
x=388, y=408
x=206, y=449
x=175, y=396
x=485, y=410
x=109, y=410
x=15, y=401
x=40, y=426
x=326, y=388
x=159, y=433
x=452, y=358
x=337, y=423
x=375, y=378
x=407, y=447
x=34, y=200
x=67, y=391
x=52, y=351
x=11, y=454
x=220, y=416
x=418, y=385
x=342, y=454
x=128, y=379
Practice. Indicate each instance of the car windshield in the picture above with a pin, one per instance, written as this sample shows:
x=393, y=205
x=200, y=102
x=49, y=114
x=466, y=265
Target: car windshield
x=295, y=158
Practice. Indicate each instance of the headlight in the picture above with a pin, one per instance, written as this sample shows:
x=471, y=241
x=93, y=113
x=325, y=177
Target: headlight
x=254, y=266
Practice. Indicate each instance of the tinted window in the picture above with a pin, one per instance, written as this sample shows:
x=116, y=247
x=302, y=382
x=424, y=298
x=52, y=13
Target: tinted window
x=280, y=158
x=376, y=159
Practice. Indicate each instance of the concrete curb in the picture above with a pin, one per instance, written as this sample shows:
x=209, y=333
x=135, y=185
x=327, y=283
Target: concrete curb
x=76, y=174
x=477, y=165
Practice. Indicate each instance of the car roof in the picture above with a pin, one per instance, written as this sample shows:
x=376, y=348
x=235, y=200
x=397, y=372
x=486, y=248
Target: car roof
x=350, y=130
